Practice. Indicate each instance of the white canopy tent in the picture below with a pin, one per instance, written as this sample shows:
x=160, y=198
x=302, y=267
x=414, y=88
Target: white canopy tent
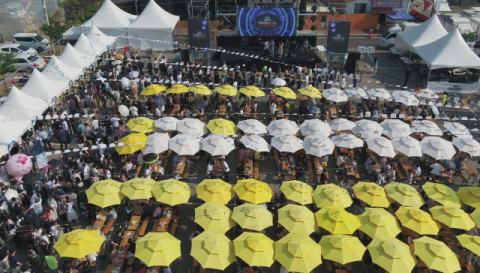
x=431, y=30
x=58, y=70
x=100, y=41
x=20, y=105
x=40, y=86
x=154, y=26
x=85, y=46
x=13, y=134
x=76, y=58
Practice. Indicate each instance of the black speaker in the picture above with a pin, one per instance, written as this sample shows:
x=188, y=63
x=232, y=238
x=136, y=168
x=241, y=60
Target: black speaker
x=186, y=55
x=245, y=42
x=351, y=63
x=216, y=56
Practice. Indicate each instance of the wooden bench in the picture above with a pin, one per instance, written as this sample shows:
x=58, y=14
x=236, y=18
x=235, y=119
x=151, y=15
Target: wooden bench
x=464, y=180
x=399, y=173
x=131, y=261
x=256, y=173
x=129, y=270
x=329, y=265
x=450, y=181
x=173, y=229
x=108, y=227
x=357, y=175
x=143, y=227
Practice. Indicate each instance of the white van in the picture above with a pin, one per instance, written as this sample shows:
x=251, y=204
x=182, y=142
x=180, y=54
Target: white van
x=32, y=40
x=388, y=38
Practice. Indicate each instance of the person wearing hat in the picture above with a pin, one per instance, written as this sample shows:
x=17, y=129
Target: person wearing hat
x=390, y=174
x=37, y=208
x=273, y=109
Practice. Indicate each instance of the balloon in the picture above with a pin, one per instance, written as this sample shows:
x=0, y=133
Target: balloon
x=19, y=165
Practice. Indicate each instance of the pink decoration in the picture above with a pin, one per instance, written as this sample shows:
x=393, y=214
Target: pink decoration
x=19, y=165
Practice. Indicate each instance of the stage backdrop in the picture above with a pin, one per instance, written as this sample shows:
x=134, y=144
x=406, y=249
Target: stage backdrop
x=267, y=22
x=338, y=35
x=199, y=33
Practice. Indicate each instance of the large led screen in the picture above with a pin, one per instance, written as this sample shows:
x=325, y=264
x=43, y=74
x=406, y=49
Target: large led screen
x=267, y=21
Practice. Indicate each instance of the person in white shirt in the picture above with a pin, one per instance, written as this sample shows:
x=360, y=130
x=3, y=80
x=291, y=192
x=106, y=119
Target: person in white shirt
x=129, y=166
x=95, y=123
x=92, y=257
x=306, y=80
x=86, y=171
x=340, y=160
x=436, y=169
x=273, y=109
x=133, y=111
x=148, y=171
x=418, y=170
x=299, y=71
x=107, y=174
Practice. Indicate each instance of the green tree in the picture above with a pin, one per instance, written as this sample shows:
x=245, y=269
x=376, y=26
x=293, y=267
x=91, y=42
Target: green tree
x=6, y=63
x=55, y=30
x=469, y=36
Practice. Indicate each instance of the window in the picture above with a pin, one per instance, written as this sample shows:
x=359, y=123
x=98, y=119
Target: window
x=360, y=8
x=39, y=38
x=392, y=36
x=23, y=48
x=20, y=61
x=32, y=58
x=14, y=50
x=5, y=50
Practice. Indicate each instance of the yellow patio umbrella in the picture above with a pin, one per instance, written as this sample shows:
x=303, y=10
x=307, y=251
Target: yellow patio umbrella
x=310, y=92
x=298, y=253
x=342, y=249
x=404, y=194
x=476, y=216
x=285, y=92
x=222, y=126
x=215, y=191
x=417, y=220
x=377, y=222
x=79, y=243
x=141, y=125
x=470, y=196
x=297, y=191
x=452, y=217
x=392, y=254
x=337, y=221
x=157, y=249
x=254, y=217
x=201, y=90
x=227, y=90
x=436, y=255
x=105, y=193
x=297, y=219
x=442, y=194
x=471, y=243
x=372, y=194
x=178, y=88
x=331, y=195
x=252, y=91
x=213, y=250
x=255, y=249
x=214, y=217
x=253, y=191
x=138, y=188
x=171, y=192
x=131, y=143
x=153, y=89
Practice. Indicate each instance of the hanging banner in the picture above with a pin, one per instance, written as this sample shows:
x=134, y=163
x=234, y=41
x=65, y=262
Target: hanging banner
x=338, y=37
x=199, y=33
x=337, y=61
x=200, y=56
x=42, y=161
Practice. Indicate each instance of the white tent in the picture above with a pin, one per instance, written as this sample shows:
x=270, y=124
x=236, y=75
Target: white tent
x=76, y=58
x=20, y=105
x=425, y=33
x=100, y=40
x=85, y=46
x=40, y=86
x=60, y=71
x=154, y=26
x=14, y=132
x=111, y=20
x=449, y=51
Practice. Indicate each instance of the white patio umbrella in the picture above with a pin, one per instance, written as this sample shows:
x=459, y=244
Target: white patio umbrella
x=395, y=128
x=282, y=127
x=380, y=93
x=335, y=95
x=356, y=93
x=456, y=129
x=347, y=141
x=367, y=129
x=467, y=145
x=341, y=124
x=405, y=98
x=185, y=144
x=427, y=94
x=123, y=109
x=427, y=127
x=408, y=146
x=252, y=126
x=10, y=193
x=278, y=82
x=318, y=145
x=192, y=126
x=166, y=124
x=381, y=146
x=315, y=126
x=218, y=144
x=438, y=148
x=156, y=143
x=256, y=143
x=287, y=144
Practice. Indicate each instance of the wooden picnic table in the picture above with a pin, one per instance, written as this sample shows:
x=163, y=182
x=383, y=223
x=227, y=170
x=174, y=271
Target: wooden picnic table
x=134, y=221
x=286, y=166
x=249, y=167
x=469, y=169
x=98, y=224
x=318, y=165
x=127, y=235
x=249, y=270
x=181, y=163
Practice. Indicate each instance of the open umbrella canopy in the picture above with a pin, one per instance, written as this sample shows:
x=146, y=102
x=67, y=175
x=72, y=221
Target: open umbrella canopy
x=214, y=217
x=442, y=194
x=278, y=82
x=282, y=127
x=393, y=128
x=287, y=144
x=471, y=243
x=252, y=91
x=196, y=104
x=156, y=143
x=157, y=249
x=311, y=92
x=150, y=158
x=153, y=89
x=131, y=143
x=297, y=191
x=380, y=93
x=467, y=145
x=160, y=101
x=470, y=196
x=476, y=216
x=378, y=222
x=417, y=220
x=408, y=146
x=185, y=144
x=222, y=126
x=305, y=105
x=438, y=148
x=452, y=217
x=105, y=193
x=141, y=125
x=347, y=141
x=213, y=250
x=254, y=217
x=227, y=90
x=318, y=145
x=201, y=90
x=392, y=254
x=404, y=194
x=372, y=194
x=405, y=97
x=456, y=129
x=166, y=124
x=381, y=146
x=427, y=127
x=427, y=94
x=178, y=88
x=298, y=253
x=331, y=195
x=256, y=143
x=367, y=129
x=342, y=249
x=255, y=249
x=218, y=145
x=11, y=193
x=284, y=92
x=356, y=93
x=79, y=243
x=334, y=94
x=436, y=255
x=297, y=219
x=215, y=191
x=336, y=220
x=252, y=126
x=171, y=192
x=123, y=110
x=341, y=124
x=138, y=188
x=253, y=191
x=315, y=127
x=192, y=126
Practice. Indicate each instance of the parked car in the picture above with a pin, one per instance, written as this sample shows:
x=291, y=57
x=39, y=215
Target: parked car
x=27, y=62
x=17, y=48
x=32, y=40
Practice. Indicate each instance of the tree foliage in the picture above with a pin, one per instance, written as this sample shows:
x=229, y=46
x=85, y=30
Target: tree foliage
x=6, y=63
x=469, y=36
x=55, y=30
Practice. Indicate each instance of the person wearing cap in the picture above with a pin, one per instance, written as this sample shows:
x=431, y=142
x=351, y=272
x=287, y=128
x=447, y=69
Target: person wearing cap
x=390, y=174
x=37, y=208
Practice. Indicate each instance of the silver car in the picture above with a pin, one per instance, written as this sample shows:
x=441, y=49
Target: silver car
x=17, y=48
x=27, y=62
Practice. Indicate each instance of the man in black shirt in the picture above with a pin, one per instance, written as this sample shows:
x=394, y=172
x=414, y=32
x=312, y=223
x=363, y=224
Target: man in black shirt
x=117, y=239
x=147, y=210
